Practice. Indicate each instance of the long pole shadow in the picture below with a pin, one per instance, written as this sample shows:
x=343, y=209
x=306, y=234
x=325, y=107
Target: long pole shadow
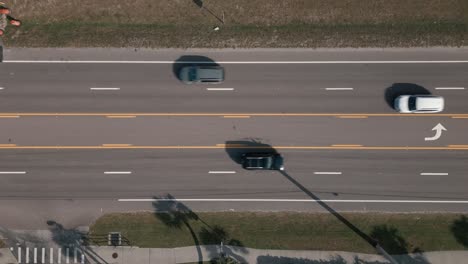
x=201, y=5
x=374, y=243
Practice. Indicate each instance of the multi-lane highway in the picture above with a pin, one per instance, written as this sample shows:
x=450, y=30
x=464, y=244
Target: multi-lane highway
x=249, y=88
x=81, y=138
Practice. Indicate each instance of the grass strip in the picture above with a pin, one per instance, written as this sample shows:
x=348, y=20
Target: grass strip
x=397, y=233
x=247, y=23
x=77, y=34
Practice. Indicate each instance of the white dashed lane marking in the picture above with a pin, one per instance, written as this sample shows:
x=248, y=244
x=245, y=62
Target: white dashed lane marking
x=450, y=88
x=434, y=173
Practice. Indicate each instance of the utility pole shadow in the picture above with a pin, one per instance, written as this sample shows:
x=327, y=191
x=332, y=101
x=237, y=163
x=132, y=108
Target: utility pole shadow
x=201, y=5
x=73, y=239
x=374, y=243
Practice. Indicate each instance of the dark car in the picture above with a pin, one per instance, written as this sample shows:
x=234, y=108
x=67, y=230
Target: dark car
x=262, y=161
x=202, y=74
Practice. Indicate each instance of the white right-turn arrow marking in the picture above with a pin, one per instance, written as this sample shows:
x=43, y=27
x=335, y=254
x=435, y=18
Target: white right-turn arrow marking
x=438, y=128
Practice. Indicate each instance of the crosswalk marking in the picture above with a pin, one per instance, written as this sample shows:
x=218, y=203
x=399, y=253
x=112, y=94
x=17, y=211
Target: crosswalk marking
x=44, y=255
x=19, y=255
x=74, y=255
x=27, y=255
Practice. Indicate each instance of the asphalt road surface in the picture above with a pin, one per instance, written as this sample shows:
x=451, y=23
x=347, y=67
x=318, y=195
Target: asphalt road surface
x=79, y=139
x=257, y=88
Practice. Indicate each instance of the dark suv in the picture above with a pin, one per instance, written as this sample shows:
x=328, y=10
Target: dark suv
x=202, y=74
x=262, y=161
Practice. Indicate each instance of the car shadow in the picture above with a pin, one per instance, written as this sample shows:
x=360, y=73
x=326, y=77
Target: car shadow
x=397, y=89
x=190, y=60
x=236, y=148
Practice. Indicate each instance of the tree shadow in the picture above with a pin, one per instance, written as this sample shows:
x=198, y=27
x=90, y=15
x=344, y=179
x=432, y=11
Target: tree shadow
x=459, y=230
x=176, y=215
x=190, y=60
x=229, y=246
x=72, y=239
x=236, y=148
x=287, y=260
x=397, y=89
x=390, y=238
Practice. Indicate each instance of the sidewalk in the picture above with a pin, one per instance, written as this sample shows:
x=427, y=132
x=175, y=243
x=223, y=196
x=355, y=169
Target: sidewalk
x=132, y=255
x=6, y=257
x=128, y=255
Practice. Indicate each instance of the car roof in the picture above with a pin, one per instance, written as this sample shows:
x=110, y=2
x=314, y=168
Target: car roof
x=429, y=102
x=211, y=72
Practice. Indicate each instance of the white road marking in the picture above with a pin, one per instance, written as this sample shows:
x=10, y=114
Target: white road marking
x=67, y=254
x=340, y=89
x=221, y=172
x=19, y=254
x=27, y=254
x=434, y=173
x=1, y=88
x=82, y=258
x=12, y=172
x=43, y=255
x=75, y=257
x=104, y=88
x=450, y=88
x=59, y=255
x=240, y=62
x=328, y=172
x=117, y=172
x=220, y=89
x=297, y=201
x=51, y=255
x=35, y=255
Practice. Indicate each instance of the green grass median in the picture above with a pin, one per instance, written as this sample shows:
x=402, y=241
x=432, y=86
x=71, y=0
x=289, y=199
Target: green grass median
x=397, y=233
x=242, y=23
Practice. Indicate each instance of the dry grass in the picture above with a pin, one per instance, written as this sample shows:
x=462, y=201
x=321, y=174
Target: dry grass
x=399, y=233
x=248, y=23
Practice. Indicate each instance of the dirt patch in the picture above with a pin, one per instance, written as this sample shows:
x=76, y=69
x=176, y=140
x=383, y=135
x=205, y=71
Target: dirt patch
x=247, y=23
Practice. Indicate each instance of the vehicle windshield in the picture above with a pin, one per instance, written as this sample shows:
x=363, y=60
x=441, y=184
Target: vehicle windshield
x=412, y=103
x=192, y=74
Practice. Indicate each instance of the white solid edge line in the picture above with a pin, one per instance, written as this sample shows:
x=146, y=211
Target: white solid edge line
x=450, y=88
x=104, y=88
x=12, y=172
x=117, y=172
x=296, y=200
x=328, y=172
x=221, y=172
x=236, y=62
x=220, y=89
x=434, y=173
x=339, y=89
